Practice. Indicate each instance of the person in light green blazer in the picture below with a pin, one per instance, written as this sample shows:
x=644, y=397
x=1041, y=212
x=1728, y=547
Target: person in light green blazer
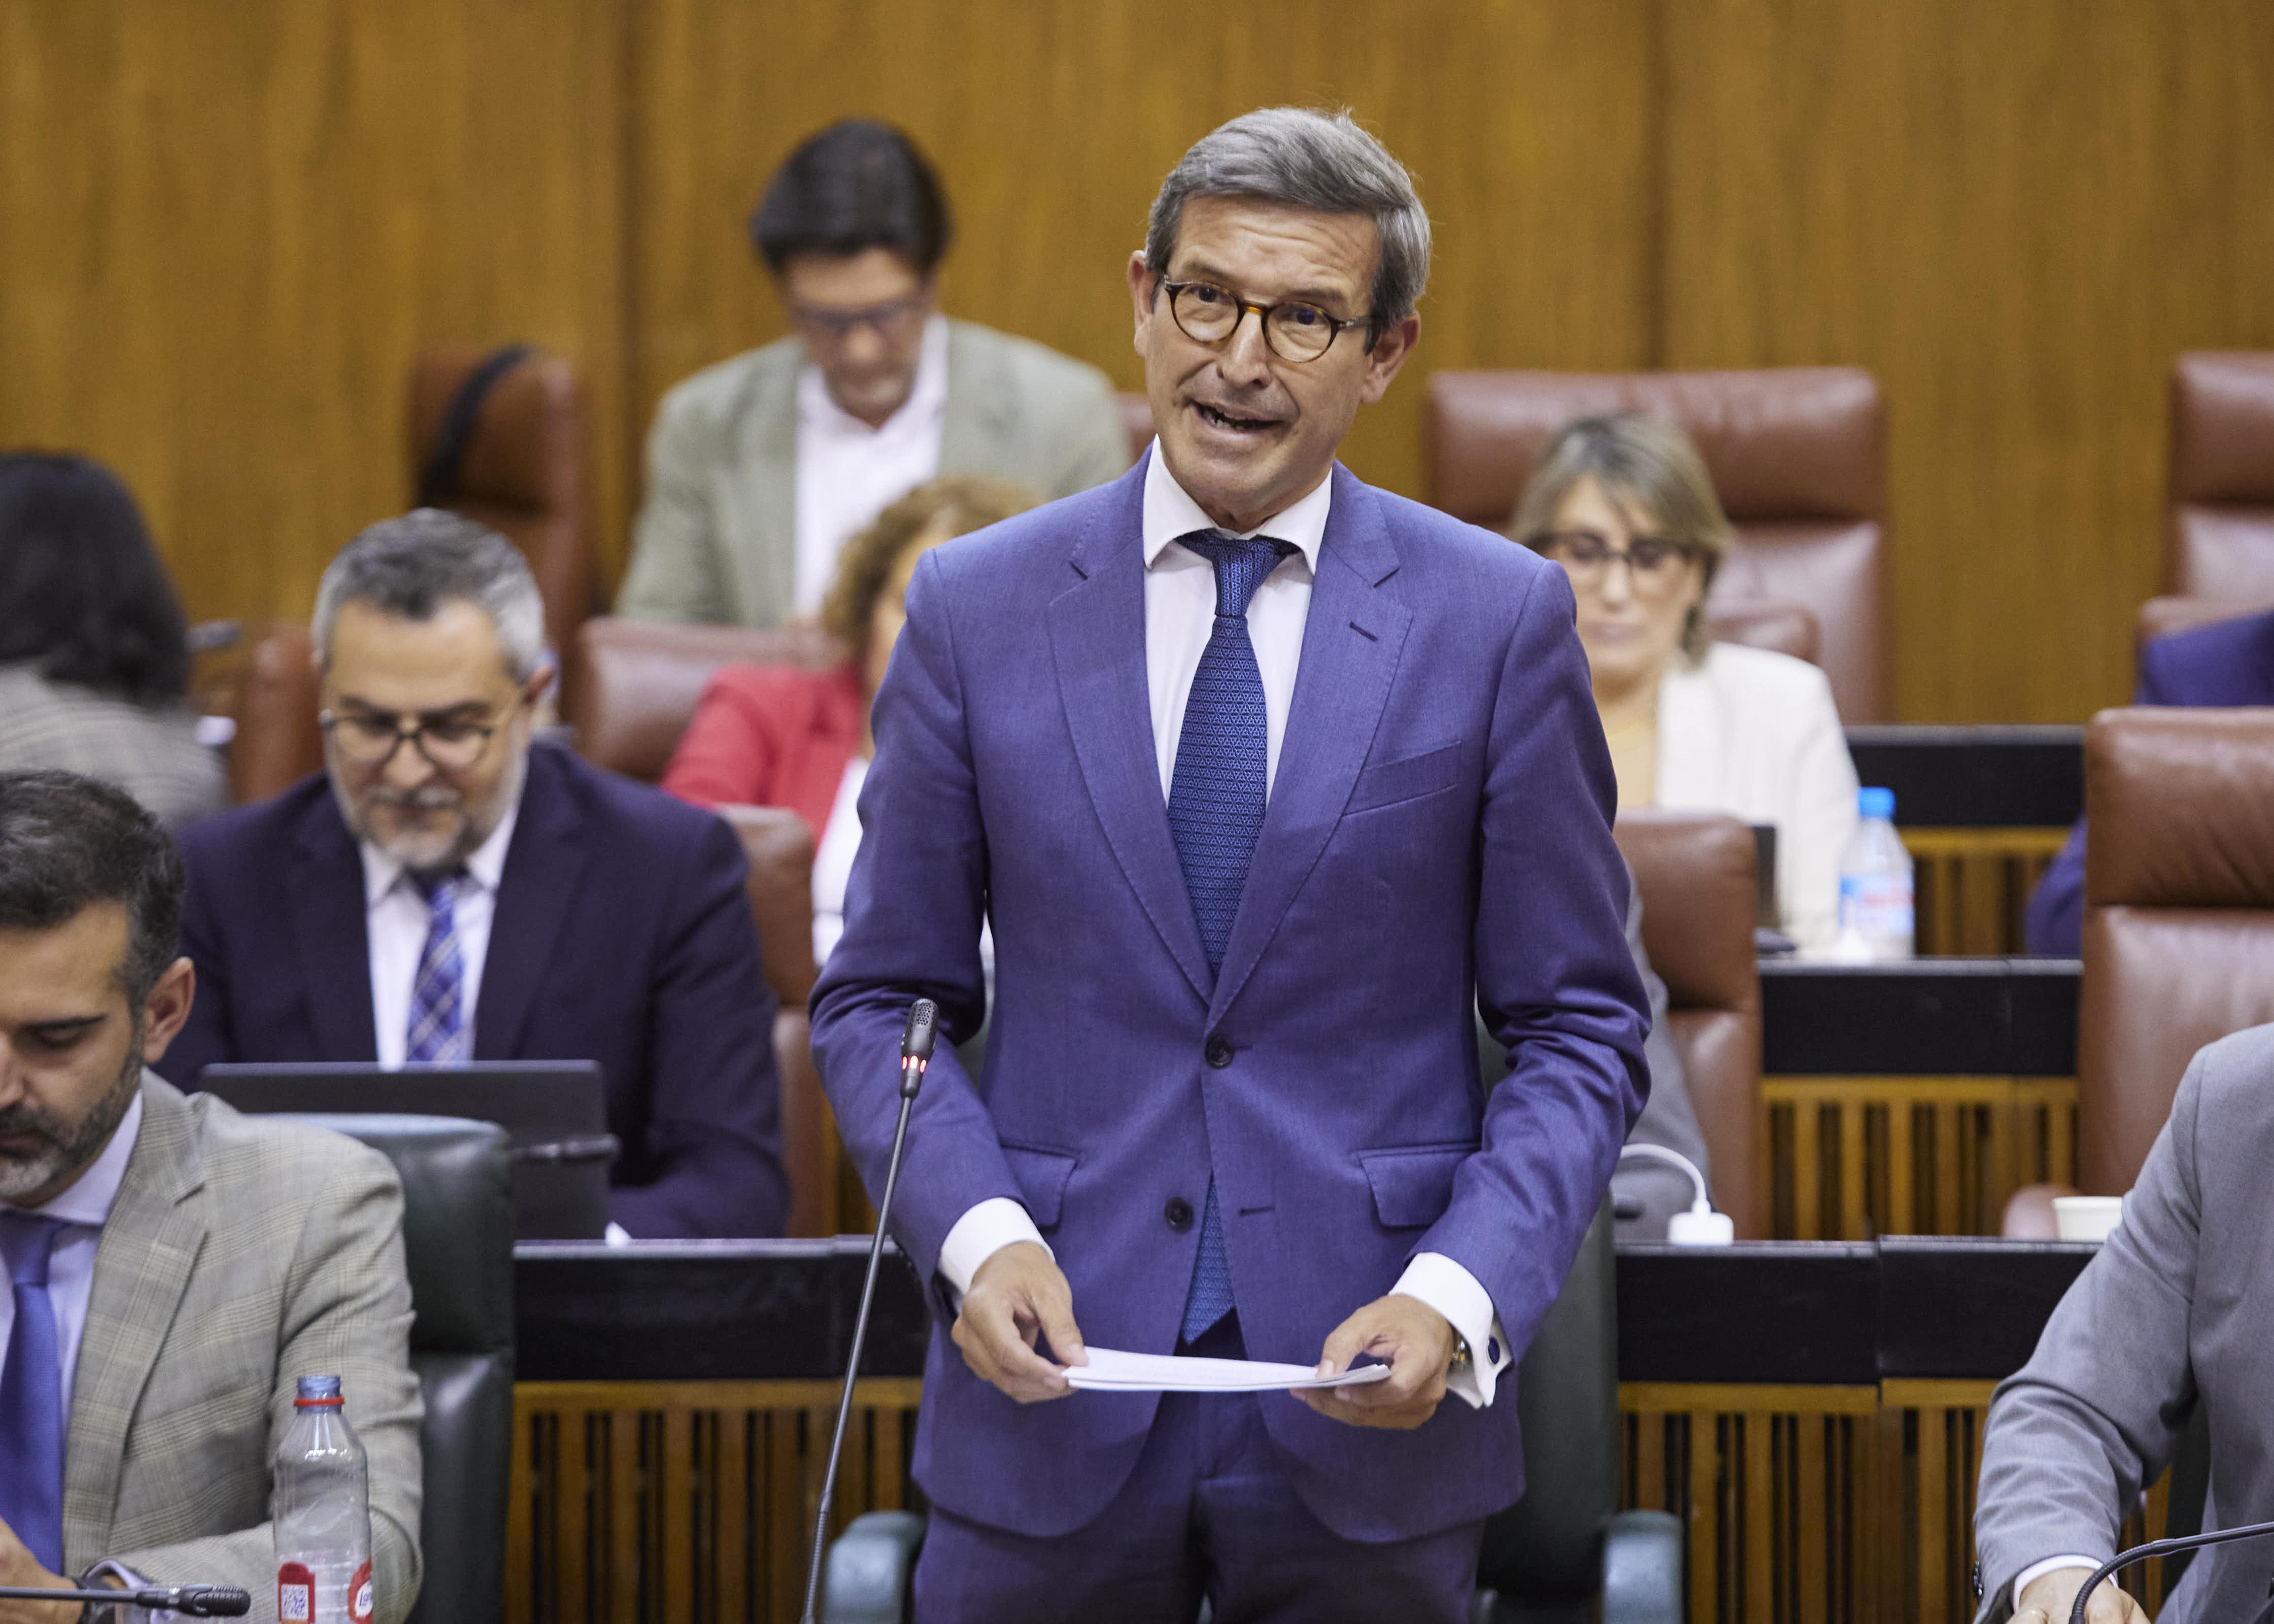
x=759, y=468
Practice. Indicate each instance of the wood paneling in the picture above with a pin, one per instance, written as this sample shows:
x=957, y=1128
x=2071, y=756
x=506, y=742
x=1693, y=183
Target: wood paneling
x=227, y=223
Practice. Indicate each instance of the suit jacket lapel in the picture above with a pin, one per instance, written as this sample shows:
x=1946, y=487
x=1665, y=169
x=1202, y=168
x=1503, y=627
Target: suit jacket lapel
x=1351, y=641
x=149, y=1244
x=1097, y=642
x=543, y=868
x=331, y=929
x=764, y=485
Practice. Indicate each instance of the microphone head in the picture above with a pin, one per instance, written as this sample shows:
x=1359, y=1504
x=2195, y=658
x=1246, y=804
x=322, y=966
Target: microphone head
x=917, y=1040
x=211, y=1601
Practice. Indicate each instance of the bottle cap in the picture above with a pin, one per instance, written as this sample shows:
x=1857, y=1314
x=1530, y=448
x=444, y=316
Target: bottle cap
x=1876, y=802
x=315, y=1391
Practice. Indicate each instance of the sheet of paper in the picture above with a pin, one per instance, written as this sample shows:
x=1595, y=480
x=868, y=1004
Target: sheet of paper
x=1112, y=1371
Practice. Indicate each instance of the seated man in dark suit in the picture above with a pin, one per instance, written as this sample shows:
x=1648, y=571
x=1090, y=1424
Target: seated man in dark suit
x=445, y=892
x=2229, y=663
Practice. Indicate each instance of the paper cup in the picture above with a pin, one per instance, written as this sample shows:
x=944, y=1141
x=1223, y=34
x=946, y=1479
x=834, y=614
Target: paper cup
x=2087, y=1217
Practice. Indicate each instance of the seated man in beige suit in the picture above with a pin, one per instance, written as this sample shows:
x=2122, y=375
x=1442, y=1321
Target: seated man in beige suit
x=173, y=1266
x=760, y=467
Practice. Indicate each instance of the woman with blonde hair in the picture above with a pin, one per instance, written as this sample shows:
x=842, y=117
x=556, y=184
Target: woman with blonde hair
x=783, y=736
x=1624, y=504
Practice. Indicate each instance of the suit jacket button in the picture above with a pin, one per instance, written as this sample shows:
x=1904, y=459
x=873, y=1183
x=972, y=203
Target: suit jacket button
x=1219, y=1052
x=1178, y=1212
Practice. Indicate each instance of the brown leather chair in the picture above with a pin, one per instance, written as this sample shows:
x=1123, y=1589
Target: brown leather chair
x=277, y=741
x=2221, y=533
x=1796, y=454
x=522, y=471
x=1136, y=421
x=2179, y=925
x=639, y=681
x=1695, y=872
x=1773, y=623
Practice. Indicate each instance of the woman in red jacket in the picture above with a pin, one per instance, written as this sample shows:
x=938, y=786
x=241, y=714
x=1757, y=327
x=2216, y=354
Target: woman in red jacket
x=786, y=736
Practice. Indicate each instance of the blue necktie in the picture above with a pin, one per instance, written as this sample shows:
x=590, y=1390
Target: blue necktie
x=437, y=1032
x=1215, y=811
x=32, y=1395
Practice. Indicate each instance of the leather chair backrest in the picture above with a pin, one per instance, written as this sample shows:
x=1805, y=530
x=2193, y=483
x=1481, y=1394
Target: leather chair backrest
x=638, y=681
x=457, y=1243
x=2162, y=617
x=2178, y=922
x=1695, y=873
x=1136, y=421
x=2221, y=527
x=1796, y=454
x=277, y=741
x=1776, y=624
x=524, y=470
x=1547, y=1547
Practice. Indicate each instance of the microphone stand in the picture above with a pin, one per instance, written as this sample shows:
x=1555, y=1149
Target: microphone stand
x=2159, y=1547
x=196, y=1601
x=915, y=1054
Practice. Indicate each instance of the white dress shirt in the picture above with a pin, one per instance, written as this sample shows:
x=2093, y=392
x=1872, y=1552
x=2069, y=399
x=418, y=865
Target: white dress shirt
x=86, y=1207
x=396, y=922
x=1180, y=616
x=847, y=473
x=832, y=858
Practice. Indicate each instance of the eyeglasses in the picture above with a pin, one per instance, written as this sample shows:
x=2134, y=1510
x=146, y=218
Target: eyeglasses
x=1655, y=564
x=370, y=738
x=889, y=320
x=1208, y=314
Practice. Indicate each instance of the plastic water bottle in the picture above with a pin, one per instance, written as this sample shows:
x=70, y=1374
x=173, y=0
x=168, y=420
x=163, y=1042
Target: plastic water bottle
x=322, y=1512
x=1875, y=920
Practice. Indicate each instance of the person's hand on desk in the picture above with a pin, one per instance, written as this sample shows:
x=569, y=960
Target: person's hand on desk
x=1416, y=1341
x=1017, y=1295
x=2051, y=1596
x=19, y=1567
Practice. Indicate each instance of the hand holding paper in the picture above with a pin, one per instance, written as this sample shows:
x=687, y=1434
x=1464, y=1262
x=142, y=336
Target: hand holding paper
x=1112, y=1371
x=1416, y=1342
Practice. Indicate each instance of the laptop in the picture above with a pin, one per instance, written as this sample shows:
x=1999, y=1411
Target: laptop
x=554, y=1111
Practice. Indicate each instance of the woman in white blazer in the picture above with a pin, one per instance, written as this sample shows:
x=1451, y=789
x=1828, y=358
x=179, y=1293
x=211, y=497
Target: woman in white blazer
x=1624, y=504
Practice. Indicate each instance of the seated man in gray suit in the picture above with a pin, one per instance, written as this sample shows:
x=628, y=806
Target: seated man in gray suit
x=2176, y=1311
x=760, y=467
x=173, y=1266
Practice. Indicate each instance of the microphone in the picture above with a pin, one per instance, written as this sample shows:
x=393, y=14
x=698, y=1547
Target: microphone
x=2160, y=1547
x=917, y=1041
x=196, y=1601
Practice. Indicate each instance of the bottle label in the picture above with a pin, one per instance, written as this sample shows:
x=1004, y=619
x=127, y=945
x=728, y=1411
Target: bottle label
x=296, y=1594
x=1877, y=906
x=359, y=1605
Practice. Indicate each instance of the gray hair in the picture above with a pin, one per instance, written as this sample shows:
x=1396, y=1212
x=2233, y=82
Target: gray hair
x=408, y=568
x=1307, y=159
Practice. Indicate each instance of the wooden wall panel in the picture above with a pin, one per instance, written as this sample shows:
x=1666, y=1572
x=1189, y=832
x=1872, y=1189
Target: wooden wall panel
x=2015, y=214
x=226, y=226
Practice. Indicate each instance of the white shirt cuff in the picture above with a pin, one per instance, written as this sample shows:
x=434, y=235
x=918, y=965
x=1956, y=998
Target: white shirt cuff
x=1444, y=1285
x=995, y=1223
x=2035, y=1571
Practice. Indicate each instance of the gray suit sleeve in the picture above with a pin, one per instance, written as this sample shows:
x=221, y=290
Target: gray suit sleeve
x=675, y=569
x=1668, y=1117
x=348, y=1311
x=2076, y=1435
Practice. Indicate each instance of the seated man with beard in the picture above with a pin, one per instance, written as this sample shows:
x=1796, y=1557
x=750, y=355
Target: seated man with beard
x=447, y=892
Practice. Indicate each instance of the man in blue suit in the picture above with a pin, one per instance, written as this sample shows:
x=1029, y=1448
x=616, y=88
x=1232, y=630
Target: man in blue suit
x=444, y=891
x=1265, y=779
x=2226, y=664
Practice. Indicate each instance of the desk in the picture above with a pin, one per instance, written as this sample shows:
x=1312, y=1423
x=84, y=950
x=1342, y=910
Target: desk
x=1811, y=1411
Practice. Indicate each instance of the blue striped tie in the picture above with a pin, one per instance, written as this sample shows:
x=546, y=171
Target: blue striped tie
x=1215, y=811
x=32, y=1425
x=437, y=1031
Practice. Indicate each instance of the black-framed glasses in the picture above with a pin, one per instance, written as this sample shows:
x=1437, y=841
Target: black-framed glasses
x=892, y=317
x=1654, y=564
x=1208, y=314
x=371, y=738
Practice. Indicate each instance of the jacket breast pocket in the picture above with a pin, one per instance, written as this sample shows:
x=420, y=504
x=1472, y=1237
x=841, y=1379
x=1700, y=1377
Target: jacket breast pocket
x=1413, y=1184
x=1042, y=1174
x=1407, y=779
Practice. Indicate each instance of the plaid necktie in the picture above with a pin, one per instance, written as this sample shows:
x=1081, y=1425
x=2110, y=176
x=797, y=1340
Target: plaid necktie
x=1216, y=812
x=437, y=1031
x=32, y=1425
